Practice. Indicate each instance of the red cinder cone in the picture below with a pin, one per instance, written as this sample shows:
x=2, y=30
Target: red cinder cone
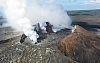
x=81, y=45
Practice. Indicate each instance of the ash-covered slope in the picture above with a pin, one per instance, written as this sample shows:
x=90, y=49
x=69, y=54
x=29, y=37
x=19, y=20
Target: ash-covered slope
x=11, y=51
x=82, y=46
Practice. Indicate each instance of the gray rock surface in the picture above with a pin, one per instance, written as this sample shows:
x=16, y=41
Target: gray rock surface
x=12, y=51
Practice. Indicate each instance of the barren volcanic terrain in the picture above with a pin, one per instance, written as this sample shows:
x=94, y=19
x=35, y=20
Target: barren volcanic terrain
x=12, y=51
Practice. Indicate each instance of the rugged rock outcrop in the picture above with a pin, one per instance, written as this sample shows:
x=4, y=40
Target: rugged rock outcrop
x=82, y=46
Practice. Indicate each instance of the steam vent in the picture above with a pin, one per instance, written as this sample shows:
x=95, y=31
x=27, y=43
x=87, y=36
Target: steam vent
x=82, y=46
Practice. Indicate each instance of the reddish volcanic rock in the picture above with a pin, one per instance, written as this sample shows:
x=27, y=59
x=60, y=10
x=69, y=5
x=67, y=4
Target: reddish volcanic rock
x=82, y=46
x=79, y=29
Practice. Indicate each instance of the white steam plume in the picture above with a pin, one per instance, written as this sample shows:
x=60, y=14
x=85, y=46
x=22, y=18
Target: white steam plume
x=22, y=14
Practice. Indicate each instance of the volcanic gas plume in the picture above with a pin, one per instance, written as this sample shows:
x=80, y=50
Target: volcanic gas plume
x=23, y=14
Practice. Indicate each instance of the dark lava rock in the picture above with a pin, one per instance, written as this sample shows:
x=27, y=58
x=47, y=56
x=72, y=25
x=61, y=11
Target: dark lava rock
x=12, y=51
x=82, y=46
